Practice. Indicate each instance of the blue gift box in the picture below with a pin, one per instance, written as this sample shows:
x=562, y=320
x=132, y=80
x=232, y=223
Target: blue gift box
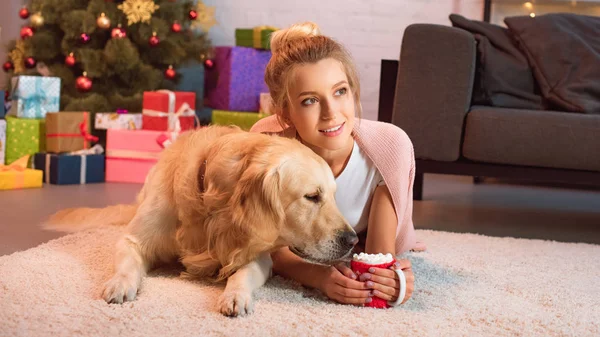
x=34, y=96
x=2, y=102
x=65, y=169
x=192, y=80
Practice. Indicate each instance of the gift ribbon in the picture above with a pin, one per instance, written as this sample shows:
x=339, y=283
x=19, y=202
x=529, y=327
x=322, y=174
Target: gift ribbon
x=18, y=166
x=256, y=41
x=83, y=132
x=132, y=154
x=184, y=110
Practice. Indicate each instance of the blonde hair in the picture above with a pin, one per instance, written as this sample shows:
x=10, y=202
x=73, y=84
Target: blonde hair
x=303, y=44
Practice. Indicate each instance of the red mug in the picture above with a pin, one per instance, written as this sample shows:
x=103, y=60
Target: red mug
x=363, y=267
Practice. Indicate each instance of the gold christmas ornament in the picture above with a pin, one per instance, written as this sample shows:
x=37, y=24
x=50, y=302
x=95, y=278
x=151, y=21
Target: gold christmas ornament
x=205, y=17
x=103, y=21
x=36, y=20
x=138, y=10
x=17, y=56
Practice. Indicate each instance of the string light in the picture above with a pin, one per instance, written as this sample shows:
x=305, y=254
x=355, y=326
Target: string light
x=528, y=5
x=532, y=15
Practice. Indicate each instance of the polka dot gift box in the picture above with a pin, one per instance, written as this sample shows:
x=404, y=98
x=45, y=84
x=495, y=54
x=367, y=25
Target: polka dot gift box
x=24, y=137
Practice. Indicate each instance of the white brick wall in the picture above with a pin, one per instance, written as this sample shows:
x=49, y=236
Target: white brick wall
x=370, y=29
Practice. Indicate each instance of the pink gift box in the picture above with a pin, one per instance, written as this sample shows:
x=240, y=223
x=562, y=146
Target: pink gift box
x=130, y=154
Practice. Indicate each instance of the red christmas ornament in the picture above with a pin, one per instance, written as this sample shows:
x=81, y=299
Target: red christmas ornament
x=30, y=63
x=24, y=13
x=70, y=60
x=176, y=27
x=118, y=33
x=154, y=40
x=8, y=66
x=170, y=73
x=193, y=15
x=84, y=38
x=83, y=83
x=26, y=32
x=209, y=63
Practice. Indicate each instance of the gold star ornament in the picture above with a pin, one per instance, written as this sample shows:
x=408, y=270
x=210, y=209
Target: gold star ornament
x=138, y=10
x=206, y=17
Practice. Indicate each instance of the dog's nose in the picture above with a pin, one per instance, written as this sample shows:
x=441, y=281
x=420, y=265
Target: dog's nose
x=348, y=239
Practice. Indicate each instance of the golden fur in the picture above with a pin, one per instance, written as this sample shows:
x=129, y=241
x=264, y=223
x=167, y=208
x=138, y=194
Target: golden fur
x=261, y=193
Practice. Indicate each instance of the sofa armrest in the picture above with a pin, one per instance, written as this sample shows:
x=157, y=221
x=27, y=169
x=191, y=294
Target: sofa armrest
x=433, y=89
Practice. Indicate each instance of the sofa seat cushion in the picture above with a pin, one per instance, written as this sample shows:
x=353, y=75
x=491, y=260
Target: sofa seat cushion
x=533, y=138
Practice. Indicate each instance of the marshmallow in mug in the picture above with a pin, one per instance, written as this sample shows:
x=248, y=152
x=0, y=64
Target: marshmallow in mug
x=373, y=258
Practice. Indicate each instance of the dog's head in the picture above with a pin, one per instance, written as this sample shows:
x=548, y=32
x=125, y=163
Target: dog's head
x=287, y=197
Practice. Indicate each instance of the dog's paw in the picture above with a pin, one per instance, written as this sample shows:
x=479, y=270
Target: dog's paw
x=120, y=289
x=235, y=303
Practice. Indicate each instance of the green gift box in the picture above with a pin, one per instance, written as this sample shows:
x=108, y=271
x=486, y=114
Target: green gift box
x=258, y=37
x=244, y=120
x=24, y=136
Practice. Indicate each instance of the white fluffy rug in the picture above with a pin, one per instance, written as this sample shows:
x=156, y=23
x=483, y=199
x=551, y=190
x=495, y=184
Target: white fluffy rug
x=467, y=285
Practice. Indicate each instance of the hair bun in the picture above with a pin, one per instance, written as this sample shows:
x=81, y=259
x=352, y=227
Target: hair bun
x=294, y=32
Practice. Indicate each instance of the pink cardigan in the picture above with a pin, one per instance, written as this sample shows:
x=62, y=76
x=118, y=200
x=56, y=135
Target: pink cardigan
x=391, y=151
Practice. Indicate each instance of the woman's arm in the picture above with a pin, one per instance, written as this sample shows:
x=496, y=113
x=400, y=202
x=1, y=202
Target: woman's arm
x=291, y=266
x=381, y=229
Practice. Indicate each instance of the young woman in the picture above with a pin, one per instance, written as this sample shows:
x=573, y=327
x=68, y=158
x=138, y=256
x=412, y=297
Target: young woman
x=316, y=96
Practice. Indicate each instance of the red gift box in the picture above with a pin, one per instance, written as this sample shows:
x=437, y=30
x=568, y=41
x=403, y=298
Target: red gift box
x=166, y=110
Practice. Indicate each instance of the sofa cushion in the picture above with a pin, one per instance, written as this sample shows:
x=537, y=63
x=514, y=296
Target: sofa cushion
x=533, y=138
x=503, y=77
x=564, y=52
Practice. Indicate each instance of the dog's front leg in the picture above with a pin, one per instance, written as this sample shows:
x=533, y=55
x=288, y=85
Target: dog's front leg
x=236, y=300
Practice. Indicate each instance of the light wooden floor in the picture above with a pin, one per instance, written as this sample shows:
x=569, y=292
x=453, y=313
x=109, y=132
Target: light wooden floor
x=452, y=204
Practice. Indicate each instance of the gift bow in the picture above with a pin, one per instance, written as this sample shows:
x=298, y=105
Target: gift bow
x=174, y=123
x=19, y=165
x=87, y=137
x=256, y=41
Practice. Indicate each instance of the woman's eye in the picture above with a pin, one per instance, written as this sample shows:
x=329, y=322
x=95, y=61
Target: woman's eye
x=341, y=92
x=309, y=101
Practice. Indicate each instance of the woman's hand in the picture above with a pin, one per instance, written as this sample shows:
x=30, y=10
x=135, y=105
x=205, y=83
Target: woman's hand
x=339, y=284
x=385, y=282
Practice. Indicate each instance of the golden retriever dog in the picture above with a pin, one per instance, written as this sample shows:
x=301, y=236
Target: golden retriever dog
x=220, y=200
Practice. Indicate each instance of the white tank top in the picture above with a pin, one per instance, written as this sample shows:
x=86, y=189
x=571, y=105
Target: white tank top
x=355, y=188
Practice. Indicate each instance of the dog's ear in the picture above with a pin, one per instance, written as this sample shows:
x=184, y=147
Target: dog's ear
x=256, y=201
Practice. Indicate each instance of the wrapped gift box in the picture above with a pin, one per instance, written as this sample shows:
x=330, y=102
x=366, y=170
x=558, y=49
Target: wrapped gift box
x=2, y=104
x=17, y=175
x=68, y=131
x=34, y=96
x=204, y=115
x=67, y=169
x=258, y=37
x=2, y=141
x=240, y=78
x=244, y=120
x=192, y=80
x=165, y=110
x=113, y=120
x=24, y=137
x=131, y=154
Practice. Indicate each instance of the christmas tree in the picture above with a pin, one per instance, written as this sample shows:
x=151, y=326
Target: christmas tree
x=108, y=52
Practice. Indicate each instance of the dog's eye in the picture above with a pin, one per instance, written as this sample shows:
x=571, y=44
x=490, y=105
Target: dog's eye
x=313, y=197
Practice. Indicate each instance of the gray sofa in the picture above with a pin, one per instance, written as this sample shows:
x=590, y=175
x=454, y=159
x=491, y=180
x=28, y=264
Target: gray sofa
x=428, y=94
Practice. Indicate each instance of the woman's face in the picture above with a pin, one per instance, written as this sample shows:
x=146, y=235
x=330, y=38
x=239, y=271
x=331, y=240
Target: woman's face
x=322, y=104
